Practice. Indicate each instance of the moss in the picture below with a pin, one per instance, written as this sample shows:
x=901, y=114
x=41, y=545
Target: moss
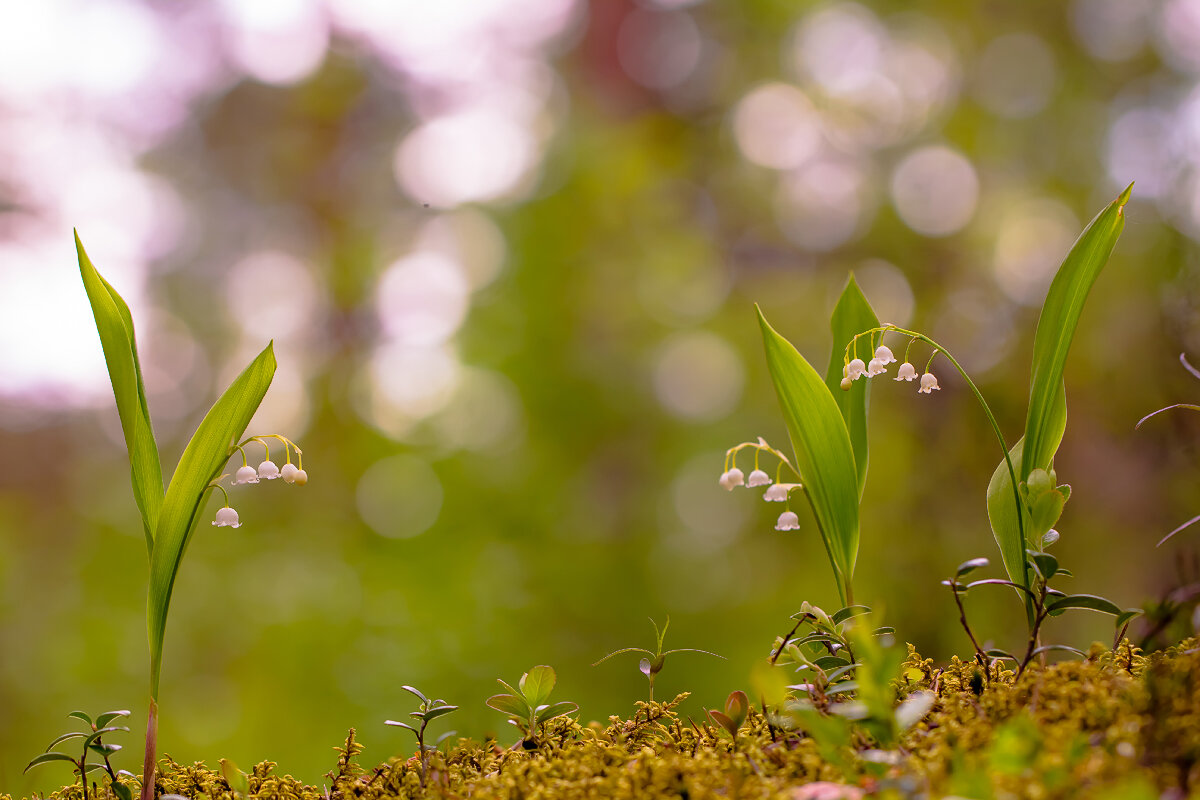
x=1092, y=728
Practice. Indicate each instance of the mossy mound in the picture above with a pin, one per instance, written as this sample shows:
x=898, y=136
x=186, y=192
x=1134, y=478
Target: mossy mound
x=1115, y=726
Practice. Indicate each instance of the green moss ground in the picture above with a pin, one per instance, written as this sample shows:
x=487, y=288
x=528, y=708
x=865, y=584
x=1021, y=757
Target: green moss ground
x=1117, y=726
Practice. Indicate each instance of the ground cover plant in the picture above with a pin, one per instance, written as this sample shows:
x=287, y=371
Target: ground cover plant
x=837, y=707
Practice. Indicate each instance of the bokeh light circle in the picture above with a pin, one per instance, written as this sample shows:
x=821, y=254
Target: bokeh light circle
x=935, y=190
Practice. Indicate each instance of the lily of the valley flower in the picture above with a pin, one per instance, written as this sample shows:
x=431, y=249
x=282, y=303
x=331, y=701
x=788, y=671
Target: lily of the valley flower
x=758, y=478
x=788, y=521
x=733, y=478
x=293, y=474
x=227, y=517
x=246, y=474
x=855, y=369
x=267, y=470
x=779, y=492
x=883, y=354
x=929, y=383
x=907, y=372
x=876, y=367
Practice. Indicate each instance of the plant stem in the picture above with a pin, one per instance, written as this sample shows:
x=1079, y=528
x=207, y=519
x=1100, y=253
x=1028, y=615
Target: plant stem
x=151, y=751
x=980, y=656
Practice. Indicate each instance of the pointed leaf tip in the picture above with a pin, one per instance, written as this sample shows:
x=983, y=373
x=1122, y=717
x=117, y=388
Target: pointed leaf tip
x=1125, y=195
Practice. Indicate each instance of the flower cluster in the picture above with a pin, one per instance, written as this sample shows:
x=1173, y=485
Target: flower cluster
x=855, y=368
x=266, y=471
x=776, y=492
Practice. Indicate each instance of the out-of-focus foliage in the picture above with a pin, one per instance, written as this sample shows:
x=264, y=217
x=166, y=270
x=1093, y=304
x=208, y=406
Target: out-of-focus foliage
x=508, y=252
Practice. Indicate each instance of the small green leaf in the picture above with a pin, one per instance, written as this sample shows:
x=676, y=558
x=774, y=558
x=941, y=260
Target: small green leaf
x=1046, y=564
x=557, y=710
x=444, y=737
x=737, y=706
x=537, y=684
x=81, y=716
x=417, y=692
x=109, y=716
x=827, y=663
x=1127, y=616
x=843, y=688
x=122, y=791
x=509, y=704
x=1004, y=654
x=841, y=615
x=619, y=652
x=725, y=722
x=46, y=758
x=396, y=724
x=833, y=674
x=440, y=711
x=104, y=747
x=1047, y=648
x=236, y=779
x=1086, y=601
x=970, y=566
x=66, y=737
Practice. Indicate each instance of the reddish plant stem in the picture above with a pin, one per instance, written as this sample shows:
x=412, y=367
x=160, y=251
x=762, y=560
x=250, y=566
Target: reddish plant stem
x=151, y=751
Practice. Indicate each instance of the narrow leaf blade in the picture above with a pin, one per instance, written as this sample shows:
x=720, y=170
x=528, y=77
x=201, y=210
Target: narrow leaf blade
x=851, y=316
x=824, y=455
x=200, y=463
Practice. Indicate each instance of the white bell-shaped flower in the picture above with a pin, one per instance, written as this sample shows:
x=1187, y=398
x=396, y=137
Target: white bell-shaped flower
x=758, y=478
x=288, y=472
x=267, y=471
x=907, y=372
x=883, y=354
x=779, y=492
x=929, y=383
x=245, y=474
x=788, y=521
x=876, y=367
x=227, y=518
x=733, y=478
x=856, y=369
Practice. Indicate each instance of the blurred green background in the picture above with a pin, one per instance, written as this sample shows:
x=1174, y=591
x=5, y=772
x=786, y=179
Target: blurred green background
x=508, y=251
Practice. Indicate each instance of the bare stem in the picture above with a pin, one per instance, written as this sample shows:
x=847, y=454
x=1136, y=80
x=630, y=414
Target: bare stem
x=151, y=751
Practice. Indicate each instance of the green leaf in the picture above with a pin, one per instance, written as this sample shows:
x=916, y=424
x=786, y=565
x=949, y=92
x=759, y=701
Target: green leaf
x=67, y=737
x=200, y=463
x=1056, y=328
x=440, y=711
x=1047, y=565
x=851, y=316
x=1127, y=616
x=1087, y=601
x=557, y=710
x=114, y=323
x=737, y=706
x=970, y=566
x=848, y=612
x=824, y=455
x=509, y=704
x=397, y=724
x=80, y=716
x=46, y=758
x=622, y=650
x=417, y=692
x=725, y=722
x=1045, y=501
x=108, y=716
x=122, y=791
x=537, y=684
x=1062, y=648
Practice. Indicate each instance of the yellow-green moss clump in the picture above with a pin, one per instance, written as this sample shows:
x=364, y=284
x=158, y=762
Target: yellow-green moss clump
x=1117, y=726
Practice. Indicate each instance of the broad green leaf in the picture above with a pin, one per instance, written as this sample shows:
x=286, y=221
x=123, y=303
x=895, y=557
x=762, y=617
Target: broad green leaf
x=1056, y=328
x=508, y=704
x=852, y=315
x=114, y=323
x=537, y=684
x=1088, y=601
x=200, y=463
x=824, y=454
x=80, y=716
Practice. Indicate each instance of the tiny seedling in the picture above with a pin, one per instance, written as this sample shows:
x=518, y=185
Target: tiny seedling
x=827, y=652
x=1046, y=602
x=93, y=742
x=654, y=661
x=426, y=712
x=526, y=705
x=737, y=708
